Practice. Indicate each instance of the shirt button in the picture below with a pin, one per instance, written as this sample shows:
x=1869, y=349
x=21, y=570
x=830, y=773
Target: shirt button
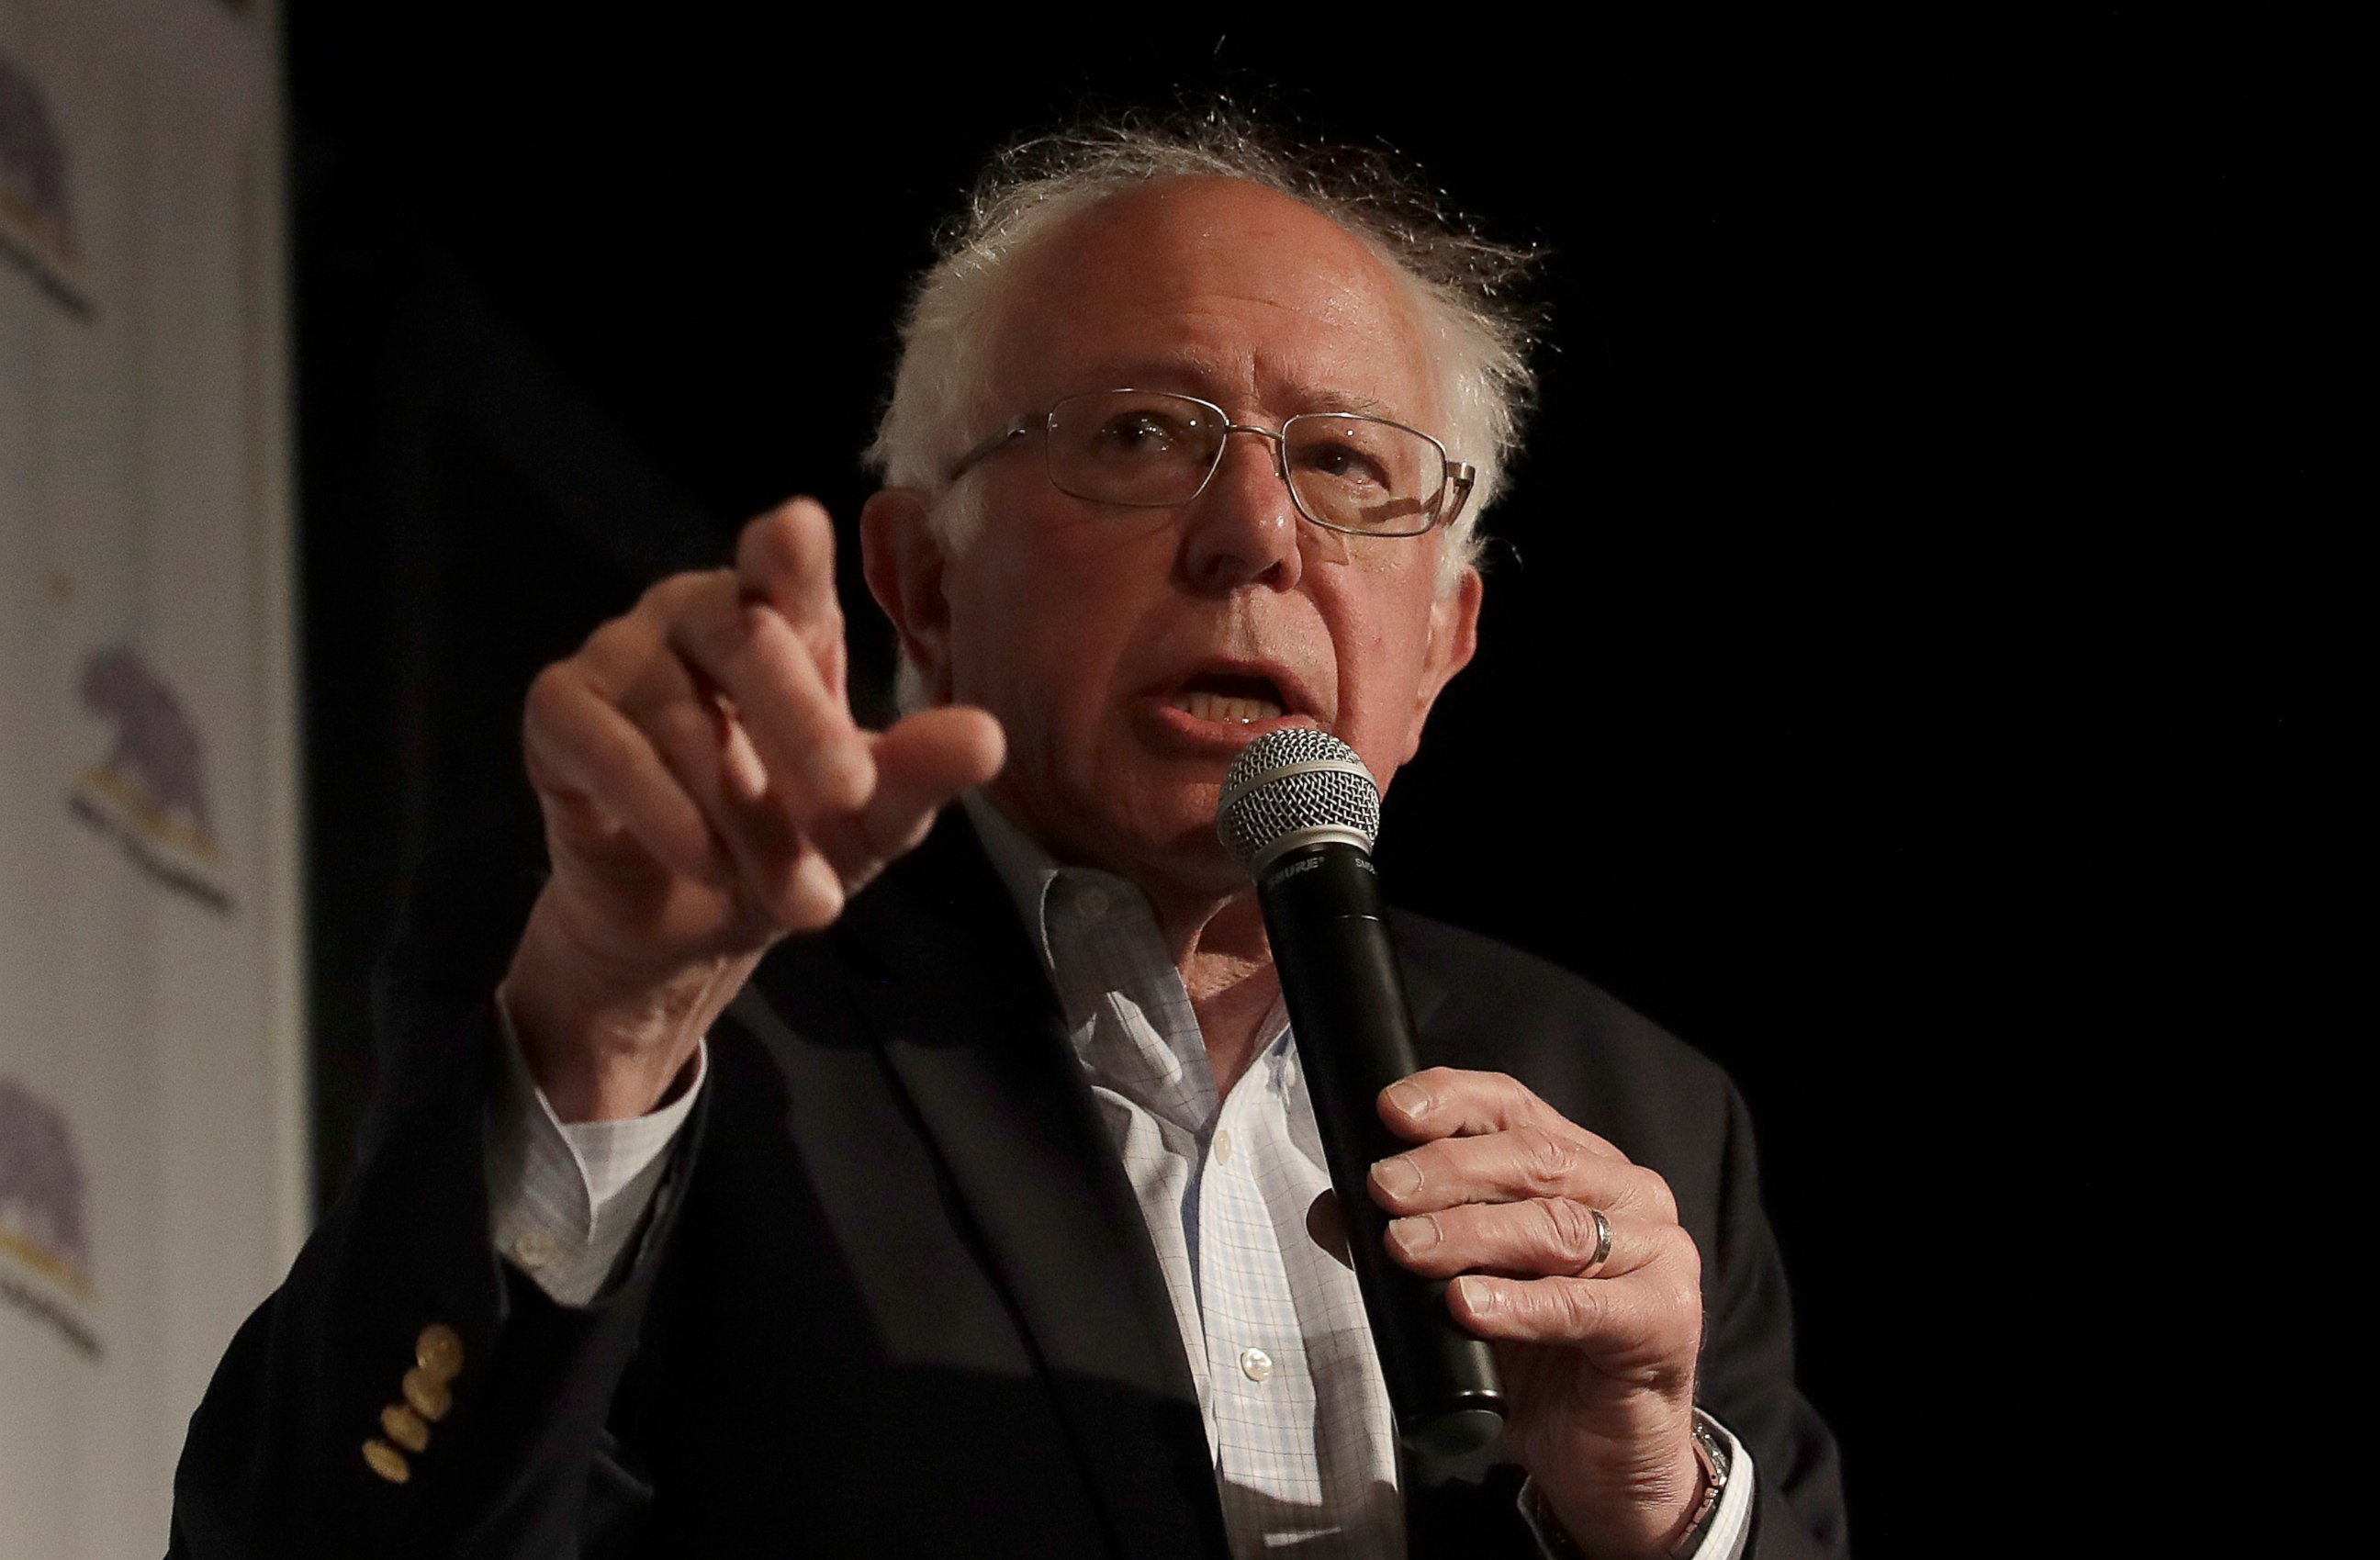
x=1255, y=1364
x=1224, y=1147
x=1095, y=901
x=533, y=1248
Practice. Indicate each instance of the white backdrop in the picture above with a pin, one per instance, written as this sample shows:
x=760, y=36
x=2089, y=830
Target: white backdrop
x=152, y=1075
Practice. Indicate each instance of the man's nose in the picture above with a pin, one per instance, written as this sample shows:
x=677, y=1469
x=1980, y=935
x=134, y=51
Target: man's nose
x=1244, y=528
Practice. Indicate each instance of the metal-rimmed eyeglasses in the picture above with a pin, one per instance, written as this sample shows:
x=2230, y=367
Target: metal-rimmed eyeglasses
x=1153, y=448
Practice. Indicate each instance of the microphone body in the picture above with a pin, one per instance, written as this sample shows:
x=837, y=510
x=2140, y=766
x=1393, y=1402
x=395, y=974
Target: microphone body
x=1340, y=979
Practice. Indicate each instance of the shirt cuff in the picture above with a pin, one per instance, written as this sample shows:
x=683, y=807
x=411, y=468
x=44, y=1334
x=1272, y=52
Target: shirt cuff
x=1723, y=1537
x=564, y=1197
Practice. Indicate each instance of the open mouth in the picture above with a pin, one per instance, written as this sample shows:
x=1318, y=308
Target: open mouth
x=1230, y=699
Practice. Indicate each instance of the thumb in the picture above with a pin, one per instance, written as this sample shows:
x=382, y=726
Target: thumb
x=921, y=766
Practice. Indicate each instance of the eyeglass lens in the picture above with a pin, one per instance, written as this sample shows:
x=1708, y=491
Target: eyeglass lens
x=1153, y=448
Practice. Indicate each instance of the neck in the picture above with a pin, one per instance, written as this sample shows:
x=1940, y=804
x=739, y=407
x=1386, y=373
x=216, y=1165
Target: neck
x=1213, y=929
x=1226, y=964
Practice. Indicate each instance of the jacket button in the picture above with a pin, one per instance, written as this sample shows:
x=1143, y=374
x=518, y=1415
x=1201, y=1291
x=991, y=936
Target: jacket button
x=404, y=1427
x=388, y=1461
x=438, y=1352
x=429, y=1398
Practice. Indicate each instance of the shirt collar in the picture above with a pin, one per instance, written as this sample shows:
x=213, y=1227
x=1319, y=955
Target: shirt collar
x=1024, y=869
x=1054, y=898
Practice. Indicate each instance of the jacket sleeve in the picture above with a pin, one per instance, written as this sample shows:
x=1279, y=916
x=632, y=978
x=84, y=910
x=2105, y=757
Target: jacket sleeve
x=1747, y=1368
x=518, y=1464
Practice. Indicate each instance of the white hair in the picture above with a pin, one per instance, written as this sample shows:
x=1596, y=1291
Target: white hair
x=1460, y=286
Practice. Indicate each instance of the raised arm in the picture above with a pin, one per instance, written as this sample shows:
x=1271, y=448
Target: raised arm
x=705, y=793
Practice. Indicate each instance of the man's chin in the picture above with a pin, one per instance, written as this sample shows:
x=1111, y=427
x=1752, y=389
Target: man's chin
x=1167, y=849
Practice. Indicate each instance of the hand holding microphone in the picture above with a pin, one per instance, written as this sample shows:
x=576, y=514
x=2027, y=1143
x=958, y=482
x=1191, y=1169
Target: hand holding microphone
x=1299, y=811
x=1511, y=1223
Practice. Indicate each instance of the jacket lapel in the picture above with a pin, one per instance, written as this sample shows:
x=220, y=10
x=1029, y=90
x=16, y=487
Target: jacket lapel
x=971, y=1030
x=1424, y=993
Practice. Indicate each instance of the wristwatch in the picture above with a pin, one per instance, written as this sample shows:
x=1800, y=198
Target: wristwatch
x=1711, y=1452
x=1710, y=1455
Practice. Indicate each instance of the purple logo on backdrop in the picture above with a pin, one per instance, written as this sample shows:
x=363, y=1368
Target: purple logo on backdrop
x=36, y=214
x=45, y=1238
x=149, y=792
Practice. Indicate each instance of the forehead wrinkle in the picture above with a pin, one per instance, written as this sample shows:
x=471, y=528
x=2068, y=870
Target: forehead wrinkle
x=1218, y=358
x=1184, y=278
x=1209, y=377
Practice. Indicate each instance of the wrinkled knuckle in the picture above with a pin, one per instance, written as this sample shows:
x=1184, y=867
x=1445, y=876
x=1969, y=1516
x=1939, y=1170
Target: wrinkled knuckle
x=1642, y=1191
x=1546, y=1160
x=1570, y=1232
x=1576, y=1312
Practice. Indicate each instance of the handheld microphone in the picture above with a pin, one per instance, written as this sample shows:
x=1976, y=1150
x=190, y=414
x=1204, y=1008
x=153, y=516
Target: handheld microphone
x=1299, y=811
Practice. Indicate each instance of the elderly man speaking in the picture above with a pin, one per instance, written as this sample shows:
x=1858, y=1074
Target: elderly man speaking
x=839, y=1171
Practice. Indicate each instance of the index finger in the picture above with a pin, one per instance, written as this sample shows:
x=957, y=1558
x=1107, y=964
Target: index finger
x=1444, y=1102
x=786, y=559
x=784, y=702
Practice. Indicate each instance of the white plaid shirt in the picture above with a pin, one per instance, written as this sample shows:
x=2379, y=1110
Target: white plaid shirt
x=1296, y=1409
x=1272, y=1324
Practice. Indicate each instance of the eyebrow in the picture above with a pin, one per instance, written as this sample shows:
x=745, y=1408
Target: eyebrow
x=1339, y=400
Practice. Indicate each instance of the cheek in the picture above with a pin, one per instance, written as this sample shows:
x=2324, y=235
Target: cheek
x=1385, y=620
x=1030, y=637
x=991, y=616
x=1384, y=648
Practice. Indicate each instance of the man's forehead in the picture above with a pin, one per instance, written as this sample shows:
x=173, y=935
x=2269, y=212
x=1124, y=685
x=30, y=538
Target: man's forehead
x=1174, y=284
x=1193, y=372
x=1217, y=232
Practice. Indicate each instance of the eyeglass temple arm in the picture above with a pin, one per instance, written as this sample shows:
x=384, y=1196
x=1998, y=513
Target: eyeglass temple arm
x=1461, y=476
x=966, y=462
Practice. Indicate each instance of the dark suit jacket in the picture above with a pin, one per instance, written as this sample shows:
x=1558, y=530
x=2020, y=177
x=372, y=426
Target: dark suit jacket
x=896, y=1296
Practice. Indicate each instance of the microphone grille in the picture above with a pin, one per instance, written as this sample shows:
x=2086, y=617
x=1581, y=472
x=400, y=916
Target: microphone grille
x=1293, y=787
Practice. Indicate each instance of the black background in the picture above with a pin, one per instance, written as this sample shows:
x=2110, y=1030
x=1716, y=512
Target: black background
x=1887, y=673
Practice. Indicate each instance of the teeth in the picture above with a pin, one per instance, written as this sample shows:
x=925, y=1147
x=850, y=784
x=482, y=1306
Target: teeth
x=1230, y=711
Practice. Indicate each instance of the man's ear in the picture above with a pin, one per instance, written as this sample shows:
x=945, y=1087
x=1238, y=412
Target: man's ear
x=903, y=561
x=1453, y=640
